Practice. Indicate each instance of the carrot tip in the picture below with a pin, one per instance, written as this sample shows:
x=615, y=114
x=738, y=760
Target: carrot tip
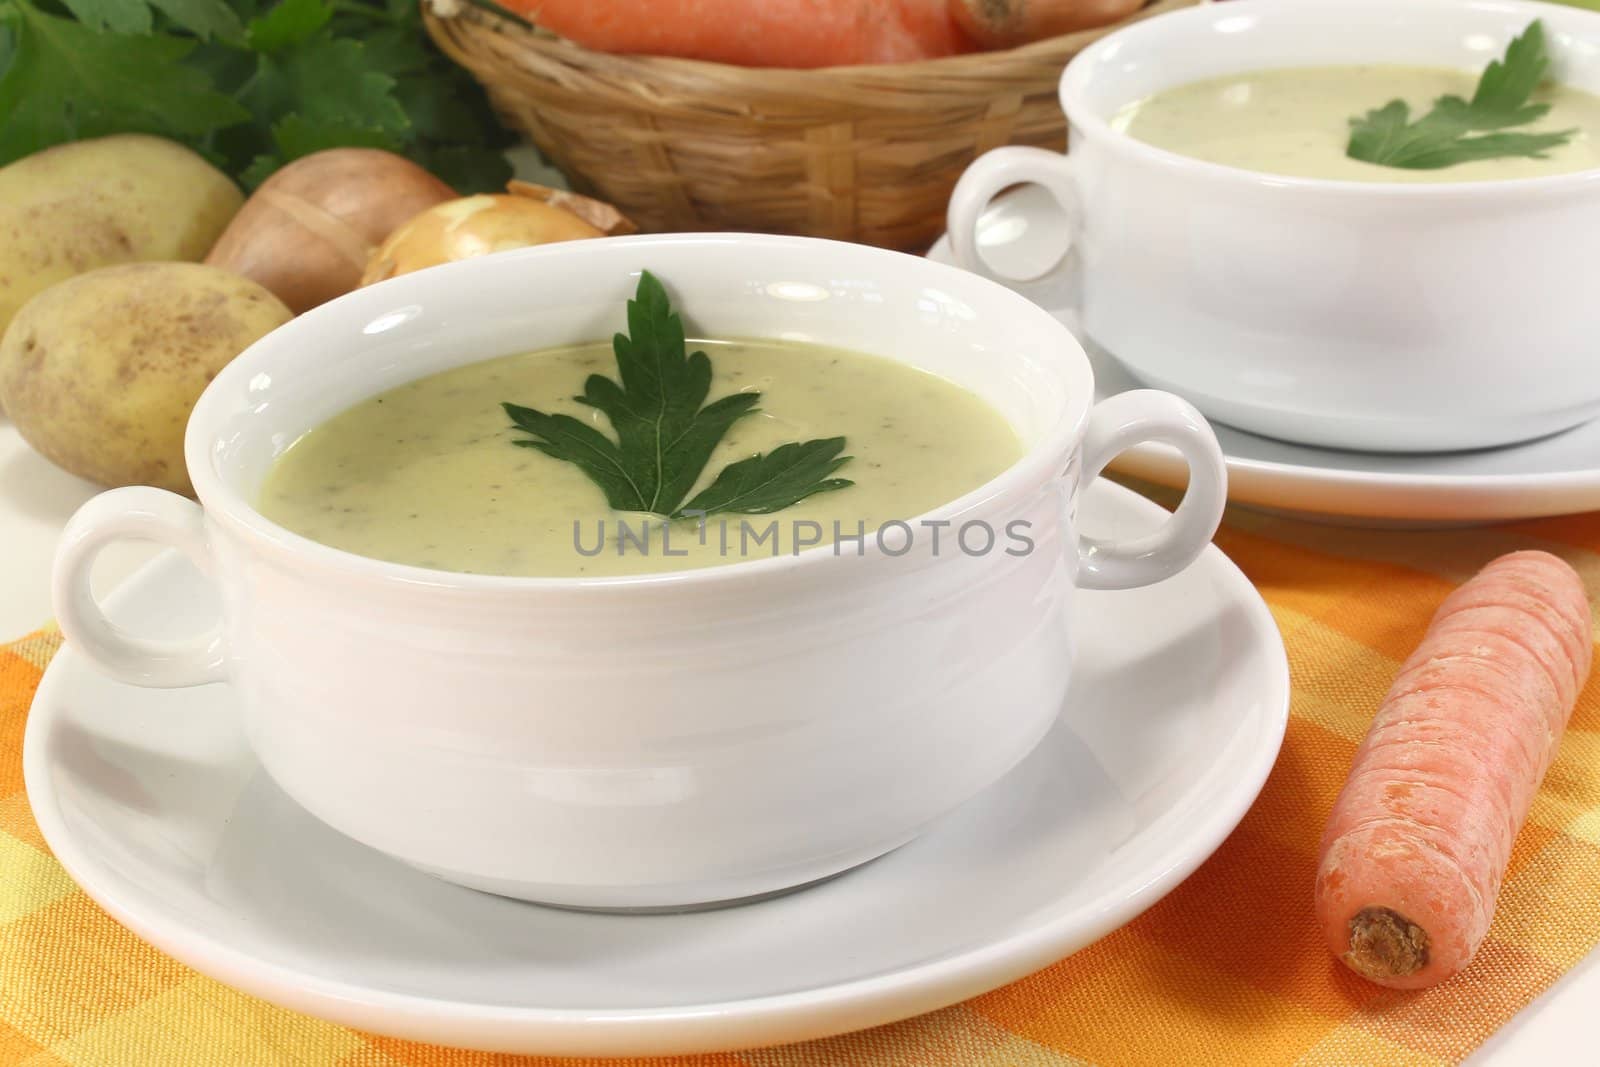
x=1385, y=944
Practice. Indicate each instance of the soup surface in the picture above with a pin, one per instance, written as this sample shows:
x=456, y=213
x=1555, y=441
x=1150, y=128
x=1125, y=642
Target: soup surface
x=1297, y=122
x=428, y=474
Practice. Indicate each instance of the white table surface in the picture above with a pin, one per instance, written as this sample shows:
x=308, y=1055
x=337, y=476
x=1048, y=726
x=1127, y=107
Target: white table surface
x=36, y=499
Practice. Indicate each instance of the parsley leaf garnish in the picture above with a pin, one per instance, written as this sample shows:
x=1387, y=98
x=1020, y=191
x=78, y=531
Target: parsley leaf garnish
x=666, y=432
x=766, y=483
x=1459, y=131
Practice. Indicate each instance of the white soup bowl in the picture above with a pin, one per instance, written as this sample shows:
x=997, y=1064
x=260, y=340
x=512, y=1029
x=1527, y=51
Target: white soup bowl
x=1359, y=315
x=666, y=740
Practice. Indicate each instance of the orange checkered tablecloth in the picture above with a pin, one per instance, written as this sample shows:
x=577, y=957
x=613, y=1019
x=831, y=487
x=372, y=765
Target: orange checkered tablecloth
x=1227, y=969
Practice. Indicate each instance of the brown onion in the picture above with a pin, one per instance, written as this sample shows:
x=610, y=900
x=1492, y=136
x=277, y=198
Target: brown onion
x=308, y=231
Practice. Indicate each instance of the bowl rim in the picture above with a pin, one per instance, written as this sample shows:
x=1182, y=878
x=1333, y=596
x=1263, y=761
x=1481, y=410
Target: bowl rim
x=1085, y=122
x=1046, y=460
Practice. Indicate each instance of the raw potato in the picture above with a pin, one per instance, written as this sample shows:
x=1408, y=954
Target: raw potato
x=122, y=199
x=100, y=372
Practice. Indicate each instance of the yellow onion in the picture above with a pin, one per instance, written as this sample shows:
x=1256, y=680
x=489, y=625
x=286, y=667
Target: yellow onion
x=594, y=212
x=491, y=222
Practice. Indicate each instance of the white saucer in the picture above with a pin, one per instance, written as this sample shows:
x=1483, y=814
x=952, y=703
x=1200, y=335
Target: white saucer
x=1557, y=475
x=152, y=801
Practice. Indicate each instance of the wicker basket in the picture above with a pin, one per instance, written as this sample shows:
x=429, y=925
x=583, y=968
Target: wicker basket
x=864, y=153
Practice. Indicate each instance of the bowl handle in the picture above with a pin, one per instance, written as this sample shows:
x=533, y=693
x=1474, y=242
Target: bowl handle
x=989, y=174
x=1132, y=418
x=144, y=514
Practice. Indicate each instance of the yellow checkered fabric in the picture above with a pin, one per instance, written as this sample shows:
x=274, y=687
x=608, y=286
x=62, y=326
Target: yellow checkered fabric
x=1227, y=969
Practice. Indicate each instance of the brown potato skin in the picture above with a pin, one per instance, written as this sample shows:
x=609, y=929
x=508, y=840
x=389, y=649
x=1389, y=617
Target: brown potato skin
x=307, y=232
x=100, y=372
x=89, y=204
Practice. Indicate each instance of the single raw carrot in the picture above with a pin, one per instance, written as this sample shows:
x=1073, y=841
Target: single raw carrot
x=1416, y=847
x=1002, y=23
x=755, y=33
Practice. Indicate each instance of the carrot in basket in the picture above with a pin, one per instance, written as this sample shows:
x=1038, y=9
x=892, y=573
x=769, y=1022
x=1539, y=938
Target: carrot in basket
x=1002, y=23
x=755, y=33
x=1416, y=847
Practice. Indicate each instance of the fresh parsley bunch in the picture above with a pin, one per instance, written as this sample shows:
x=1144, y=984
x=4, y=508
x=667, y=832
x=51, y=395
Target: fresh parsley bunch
x=251, y=84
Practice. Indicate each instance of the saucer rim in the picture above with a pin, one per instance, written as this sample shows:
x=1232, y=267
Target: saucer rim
x=725, y=1025
x=1382, y=496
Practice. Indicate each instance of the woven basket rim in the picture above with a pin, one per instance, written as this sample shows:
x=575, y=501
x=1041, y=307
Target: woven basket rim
x=969, y=62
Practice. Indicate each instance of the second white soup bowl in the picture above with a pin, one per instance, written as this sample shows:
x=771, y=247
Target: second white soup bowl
x=1361, y=315
x=671, y=739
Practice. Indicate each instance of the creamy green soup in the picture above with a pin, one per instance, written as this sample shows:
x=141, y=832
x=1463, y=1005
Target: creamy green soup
x=427, y=474
x=1297, y=122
